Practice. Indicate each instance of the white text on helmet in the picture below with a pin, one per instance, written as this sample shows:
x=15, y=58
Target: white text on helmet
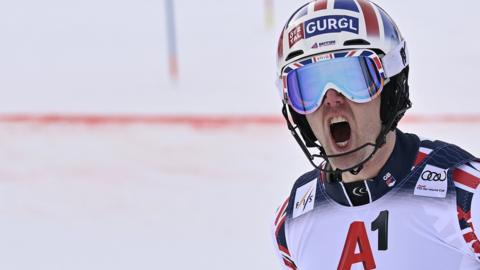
x=330, y=24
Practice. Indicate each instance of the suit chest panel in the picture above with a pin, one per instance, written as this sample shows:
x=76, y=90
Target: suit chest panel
x=403, y=232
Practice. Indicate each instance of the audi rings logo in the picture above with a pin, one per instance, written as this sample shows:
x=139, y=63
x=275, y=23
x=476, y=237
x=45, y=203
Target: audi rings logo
x=434, y=176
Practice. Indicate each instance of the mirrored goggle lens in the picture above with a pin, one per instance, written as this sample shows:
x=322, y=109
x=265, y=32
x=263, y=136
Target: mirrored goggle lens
x=357, y=78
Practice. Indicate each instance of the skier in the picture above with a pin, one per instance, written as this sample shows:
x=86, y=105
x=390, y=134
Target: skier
x=377, y=198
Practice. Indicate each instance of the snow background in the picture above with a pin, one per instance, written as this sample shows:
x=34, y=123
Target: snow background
x=105, y=56
x=142, y=196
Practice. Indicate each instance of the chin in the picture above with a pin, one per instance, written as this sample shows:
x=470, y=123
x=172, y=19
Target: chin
x=343, y=163
x=348, y=161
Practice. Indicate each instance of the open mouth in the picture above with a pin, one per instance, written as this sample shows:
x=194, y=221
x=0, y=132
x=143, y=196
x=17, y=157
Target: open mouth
x=340, y=131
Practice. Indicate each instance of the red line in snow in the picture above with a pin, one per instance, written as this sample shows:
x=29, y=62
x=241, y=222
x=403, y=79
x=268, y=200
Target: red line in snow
x=222, y=120
x=204, y=120
x=442, y=118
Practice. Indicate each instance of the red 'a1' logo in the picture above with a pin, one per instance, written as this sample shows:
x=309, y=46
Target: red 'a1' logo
x=357, y=235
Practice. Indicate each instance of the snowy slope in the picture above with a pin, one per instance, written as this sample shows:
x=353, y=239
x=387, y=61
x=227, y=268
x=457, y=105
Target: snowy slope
x=148, y=196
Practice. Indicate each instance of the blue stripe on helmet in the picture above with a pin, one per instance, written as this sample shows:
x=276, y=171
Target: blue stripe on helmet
x=301, y=13
x=389, y=27
x=295, y=15
x=346, y=4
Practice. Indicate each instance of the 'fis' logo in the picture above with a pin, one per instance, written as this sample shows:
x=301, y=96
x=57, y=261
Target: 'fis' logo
x=304, y=198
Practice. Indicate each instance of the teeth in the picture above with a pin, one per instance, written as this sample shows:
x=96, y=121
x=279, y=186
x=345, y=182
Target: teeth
x=342, y=144
x=337, y=119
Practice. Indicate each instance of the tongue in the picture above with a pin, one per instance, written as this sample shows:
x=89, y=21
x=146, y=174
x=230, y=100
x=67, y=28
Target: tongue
x=340, y=132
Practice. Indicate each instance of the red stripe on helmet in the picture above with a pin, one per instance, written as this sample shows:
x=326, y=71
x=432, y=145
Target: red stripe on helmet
x=280, y=46
x=370, y=17
x=320, y=4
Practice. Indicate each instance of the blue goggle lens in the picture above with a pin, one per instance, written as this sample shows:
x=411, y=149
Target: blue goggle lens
x=357, y=78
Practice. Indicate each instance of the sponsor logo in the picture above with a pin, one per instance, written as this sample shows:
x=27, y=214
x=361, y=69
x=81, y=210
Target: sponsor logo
x=428, y=189
x=323, y=44
x=389, y=179
x=295, y=35
x=431, y=182
x=304, y=198
x=330, y=24
x=323, y=25
x=434, y=176
x=359, y=191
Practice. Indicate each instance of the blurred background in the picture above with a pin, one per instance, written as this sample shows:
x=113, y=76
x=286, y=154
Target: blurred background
x=147, y=134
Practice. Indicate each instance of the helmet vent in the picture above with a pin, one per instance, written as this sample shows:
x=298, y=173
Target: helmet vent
x=353, y=42
x=294, y=54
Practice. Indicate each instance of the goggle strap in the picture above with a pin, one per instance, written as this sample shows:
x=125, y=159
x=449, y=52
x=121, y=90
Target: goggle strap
x=395, y=60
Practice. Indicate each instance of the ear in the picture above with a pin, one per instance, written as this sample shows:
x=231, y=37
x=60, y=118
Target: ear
x=395, y=99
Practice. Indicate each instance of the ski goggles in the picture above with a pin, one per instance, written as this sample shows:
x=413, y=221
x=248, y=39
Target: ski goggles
x=358, y=75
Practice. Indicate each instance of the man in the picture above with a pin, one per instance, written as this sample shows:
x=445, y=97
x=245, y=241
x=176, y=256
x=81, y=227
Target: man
x=377, y=198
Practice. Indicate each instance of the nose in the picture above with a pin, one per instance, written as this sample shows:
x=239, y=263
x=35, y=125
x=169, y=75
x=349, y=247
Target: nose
x=333, y=98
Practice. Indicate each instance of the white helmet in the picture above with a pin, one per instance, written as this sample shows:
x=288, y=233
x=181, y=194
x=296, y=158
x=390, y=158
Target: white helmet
x=331, y=25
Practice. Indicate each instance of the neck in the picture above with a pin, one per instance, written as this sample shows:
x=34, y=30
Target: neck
x=372, y=167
